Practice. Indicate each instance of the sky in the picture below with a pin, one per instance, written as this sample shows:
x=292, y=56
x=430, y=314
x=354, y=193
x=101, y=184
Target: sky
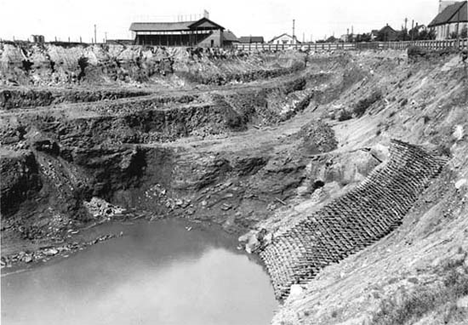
x=64, y=19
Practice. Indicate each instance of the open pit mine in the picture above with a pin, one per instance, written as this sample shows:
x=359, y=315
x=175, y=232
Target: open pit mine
x=143, y=184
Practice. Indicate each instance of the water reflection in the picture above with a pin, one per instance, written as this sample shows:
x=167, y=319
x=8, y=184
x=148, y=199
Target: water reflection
x=157, y=273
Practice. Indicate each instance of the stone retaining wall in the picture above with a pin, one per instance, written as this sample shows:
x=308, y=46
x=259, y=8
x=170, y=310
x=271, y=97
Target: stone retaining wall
x=353, y=221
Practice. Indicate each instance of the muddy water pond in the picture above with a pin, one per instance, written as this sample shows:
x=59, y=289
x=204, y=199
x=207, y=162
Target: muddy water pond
x=163, y=272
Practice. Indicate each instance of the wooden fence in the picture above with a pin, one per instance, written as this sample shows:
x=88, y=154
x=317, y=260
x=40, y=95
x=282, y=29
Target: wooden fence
x=430, y=45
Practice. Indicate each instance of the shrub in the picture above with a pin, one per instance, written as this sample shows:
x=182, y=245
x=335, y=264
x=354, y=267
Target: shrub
x=365, y=103
x=415, y=52
x=82, y=64
x=27, y=65
x=344, y=115
x=422, y=300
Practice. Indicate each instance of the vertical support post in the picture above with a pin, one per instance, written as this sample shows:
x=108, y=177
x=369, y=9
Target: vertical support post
x=294, y=29
x=458, y=29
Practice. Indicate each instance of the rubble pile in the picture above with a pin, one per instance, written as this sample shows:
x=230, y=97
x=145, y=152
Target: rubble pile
x=98, y=207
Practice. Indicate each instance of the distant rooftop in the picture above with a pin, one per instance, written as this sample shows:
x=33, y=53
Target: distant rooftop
x=251, y=39
x=203, y=23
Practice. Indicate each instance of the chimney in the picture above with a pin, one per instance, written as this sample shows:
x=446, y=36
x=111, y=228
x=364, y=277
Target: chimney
x=444, y=4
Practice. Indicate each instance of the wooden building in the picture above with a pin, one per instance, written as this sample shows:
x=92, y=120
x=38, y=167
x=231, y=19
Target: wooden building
x=451, y=20
x=200, y=33
x=251, y=39
x=229, y=39
x=387, y=34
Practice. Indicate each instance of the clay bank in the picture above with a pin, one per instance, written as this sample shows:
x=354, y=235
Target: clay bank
x=118, y=162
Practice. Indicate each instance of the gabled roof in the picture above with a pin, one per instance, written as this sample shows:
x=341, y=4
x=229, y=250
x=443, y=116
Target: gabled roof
x=387, y=29
x=205, y=23
x=251, y=39
x=229, y=36
x=174, y=26
x=451, y=14
x=276, y=37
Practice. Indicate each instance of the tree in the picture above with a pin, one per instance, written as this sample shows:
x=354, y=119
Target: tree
x=402, y=35
x=364, y=37
x=453, y=35
x=425, y=35
x=464, y=32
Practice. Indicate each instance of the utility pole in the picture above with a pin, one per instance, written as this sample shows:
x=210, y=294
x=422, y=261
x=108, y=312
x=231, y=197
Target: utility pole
x=95, y=39
x=294, y=29
x=404, y=35
x=458, y=30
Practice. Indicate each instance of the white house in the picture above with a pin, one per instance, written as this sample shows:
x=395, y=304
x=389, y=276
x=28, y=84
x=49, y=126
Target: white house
x=284, y=39
x=452, y=19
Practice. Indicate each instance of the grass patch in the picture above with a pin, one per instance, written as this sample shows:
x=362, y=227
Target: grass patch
x=344, y=115
x=361, y=106
x=422, y=299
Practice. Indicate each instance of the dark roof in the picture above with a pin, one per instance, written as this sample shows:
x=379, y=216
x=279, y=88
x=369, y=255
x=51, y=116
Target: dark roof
x=450, y=14
x=387, y=29
x=251, y=39
x=172, y=27
x=179, y=26
x=229, y=36
x=205, y=22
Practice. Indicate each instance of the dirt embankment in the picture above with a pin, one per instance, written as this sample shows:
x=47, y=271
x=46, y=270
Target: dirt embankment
x=52, y=65
x=254, y=141
x=418, y=274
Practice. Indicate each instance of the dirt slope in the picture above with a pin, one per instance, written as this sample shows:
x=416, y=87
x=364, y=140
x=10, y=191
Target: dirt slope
x=419, y=272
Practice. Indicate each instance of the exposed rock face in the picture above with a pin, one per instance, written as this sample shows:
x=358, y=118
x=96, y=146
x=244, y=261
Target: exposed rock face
x=50, y=65
x=20, y=180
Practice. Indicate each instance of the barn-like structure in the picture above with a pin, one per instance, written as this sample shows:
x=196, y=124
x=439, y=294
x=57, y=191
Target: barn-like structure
x=200, y=33
x=452, y=19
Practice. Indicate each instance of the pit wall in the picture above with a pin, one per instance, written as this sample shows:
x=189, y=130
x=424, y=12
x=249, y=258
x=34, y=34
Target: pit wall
x=26, y=97
x=103, y=64
x=350, y=223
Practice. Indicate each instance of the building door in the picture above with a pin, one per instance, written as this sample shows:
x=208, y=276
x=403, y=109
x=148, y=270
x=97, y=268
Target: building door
x=212, y=43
